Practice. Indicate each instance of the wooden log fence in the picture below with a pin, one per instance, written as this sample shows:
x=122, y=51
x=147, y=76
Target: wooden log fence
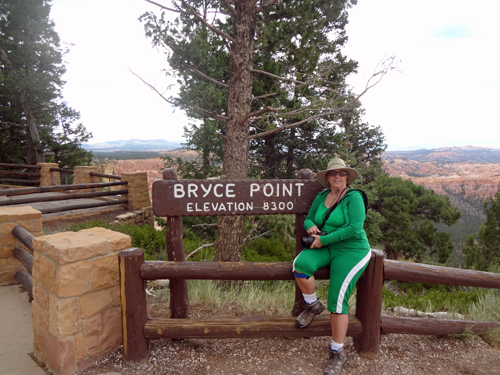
x=45, y=189
x=19, y=181
x=365, y=326
x=65, y=188
x=19, y=166
x=25, y=257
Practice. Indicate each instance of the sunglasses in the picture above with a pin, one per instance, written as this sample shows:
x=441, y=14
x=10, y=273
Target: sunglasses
x=335, y=173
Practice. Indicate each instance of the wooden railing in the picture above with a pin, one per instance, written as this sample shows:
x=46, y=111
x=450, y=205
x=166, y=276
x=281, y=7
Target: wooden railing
x=62, y=188
x=365, y=326
x=25, y=257
x=20, y=181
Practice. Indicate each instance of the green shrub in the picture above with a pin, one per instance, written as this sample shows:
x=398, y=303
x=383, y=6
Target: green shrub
x=144, y=237
x=431, y=297
x=269, y=250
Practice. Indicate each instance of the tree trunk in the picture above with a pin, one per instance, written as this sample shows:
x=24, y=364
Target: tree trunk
x=33, y=141
x=230, y=228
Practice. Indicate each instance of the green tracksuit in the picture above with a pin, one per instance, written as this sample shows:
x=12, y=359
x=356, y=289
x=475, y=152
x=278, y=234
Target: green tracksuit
x=345, y=248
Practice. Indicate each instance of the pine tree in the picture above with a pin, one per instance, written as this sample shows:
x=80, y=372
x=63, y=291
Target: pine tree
x=257, y=68
x=35, y=124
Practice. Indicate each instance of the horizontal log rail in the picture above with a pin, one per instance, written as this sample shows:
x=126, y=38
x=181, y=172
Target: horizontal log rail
x=249, y=327
x=46, y=189
x=152, y=270
x=24, y=236
x=13, y=201
x=424, y=273
x=115, y=177
x=25, y=258
x=26, y=281
x=19, y=166
x=61, y=170
x=22, y=174
x=436, y=327
x=81, y=206
x=19, y=181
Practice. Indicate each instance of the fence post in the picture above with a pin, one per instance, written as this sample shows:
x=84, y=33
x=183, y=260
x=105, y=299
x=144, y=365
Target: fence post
x=369, y=307
x=47, y=177
x=299, y=233
x=175, y=251
x=134, y=308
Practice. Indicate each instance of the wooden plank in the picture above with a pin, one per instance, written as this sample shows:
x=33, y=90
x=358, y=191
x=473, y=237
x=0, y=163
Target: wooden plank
x=152, y=270
x=46, y=189
x=13, y=201
x=60, y=170
x=18, y=181
x=242, y=328
x=438, y=327
x=233, y=197
x=134, y=308
x=369, y=307
x=19, y=166
x=26, y=281
x=25, y=258
x=81, y=206
x=116, y=177
x=179, y=302
x=25, y=236
x=424, y=273
x=23, y=174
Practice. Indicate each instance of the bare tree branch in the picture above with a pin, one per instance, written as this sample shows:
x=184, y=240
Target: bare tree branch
x=202, y=20
x=268, y=4
x=166, y=8
x=208, y=78
x=193, y=253
x=258, y=113
x=298, y=123
x=247, y=239
x=230, y=8
x=264, y=96
x=174, y=103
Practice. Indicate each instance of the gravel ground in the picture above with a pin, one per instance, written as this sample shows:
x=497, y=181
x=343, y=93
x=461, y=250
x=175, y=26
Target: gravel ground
x=399, y=354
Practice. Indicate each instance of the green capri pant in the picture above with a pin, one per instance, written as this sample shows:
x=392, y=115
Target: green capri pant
x=346, y=266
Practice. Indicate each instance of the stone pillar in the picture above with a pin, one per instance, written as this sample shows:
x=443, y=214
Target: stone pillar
x=138, y=190
x=10, y=217
x=76, y=298
x=48, y=178
x=81, y=175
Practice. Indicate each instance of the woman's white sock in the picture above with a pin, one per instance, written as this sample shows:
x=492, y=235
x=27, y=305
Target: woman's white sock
x=336, y=347
x=310, y=298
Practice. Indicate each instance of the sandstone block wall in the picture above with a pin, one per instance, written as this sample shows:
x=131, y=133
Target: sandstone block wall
x=10, y=217
x=48, y=178
x=81, y=175
x=138, y=217
x=138, y=191
x=76, y=298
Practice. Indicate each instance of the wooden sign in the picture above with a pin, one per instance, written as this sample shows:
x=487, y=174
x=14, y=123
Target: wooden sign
x=233, y=197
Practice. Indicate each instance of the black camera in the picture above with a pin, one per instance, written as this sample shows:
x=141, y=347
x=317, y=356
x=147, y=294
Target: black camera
x=308, y=241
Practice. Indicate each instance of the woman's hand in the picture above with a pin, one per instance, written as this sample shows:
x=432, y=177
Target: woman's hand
x=317, y=242
x=313, y=230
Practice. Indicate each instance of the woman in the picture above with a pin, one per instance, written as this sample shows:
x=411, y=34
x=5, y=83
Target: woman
x=339, y=212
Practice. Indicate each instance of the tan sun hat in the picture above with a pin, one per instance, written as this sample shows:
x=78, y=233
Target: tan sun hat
x=336, y=164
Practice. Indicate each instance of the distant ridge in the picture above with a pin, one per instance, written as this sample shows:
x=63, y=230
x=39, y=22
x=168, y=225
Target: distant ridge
x=465, y=154
x=134, y=145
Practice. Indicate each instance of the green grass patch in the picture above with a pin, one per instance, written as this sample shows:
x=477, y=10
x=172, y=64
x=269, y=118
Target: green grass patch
x=262, y=297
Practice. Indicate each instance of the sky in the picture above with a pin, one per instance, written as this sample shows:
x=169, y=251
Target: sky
x=444, y=92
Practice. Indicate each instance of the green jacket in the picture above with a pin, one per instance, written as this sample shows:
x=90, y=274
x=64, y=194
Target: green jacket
x=345, y=224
